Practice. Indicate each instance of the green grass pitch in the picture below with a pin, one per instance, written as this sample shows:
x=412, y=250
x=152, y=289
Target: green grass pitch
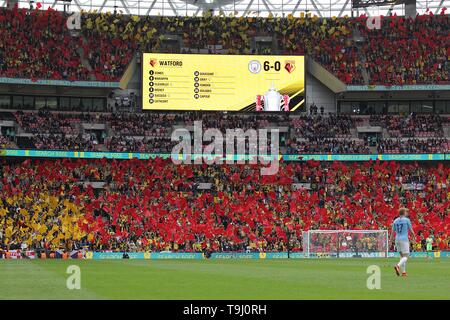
x=223, y=279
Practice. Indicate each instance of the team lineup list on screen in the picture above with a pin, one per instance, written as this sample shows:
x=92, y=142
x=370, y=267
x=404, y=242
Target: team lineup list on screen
x=222, y=82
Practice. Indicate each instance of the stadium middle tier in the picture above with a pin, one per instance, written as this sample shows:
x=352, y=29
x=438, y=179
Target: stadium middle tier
x=299, y=134
x=157, y=205
x=36, y=44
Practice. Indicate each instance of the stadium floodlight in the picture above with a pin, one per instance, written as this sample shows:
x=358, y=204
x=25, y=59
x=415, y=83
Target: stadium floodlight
x=345, y=243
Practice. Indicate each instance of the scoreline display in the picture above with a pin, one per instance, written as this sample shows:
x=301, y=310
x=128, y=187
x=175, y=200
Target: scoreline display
x=222, y=82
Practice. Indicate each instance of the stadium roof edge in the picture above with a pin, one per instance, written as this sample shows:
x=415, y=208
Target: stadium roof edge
x=263, y=8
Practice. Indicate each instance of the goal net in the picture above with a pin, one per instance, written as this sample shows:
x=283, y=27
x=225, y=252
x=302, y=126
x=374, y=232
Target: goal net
x=345, y=243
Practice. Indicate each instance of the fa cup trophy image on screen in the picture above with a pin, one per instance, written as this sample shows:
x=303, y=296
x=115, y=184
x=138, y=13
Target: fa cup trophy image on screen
x=272, y=100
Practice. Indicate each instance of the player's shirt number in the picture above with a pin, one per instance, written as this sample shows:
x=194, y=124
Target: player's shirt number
x=399, y=227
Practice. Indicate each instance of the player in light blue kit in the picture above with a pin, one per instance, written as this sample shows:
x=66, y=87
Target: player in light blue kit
x=402, y=226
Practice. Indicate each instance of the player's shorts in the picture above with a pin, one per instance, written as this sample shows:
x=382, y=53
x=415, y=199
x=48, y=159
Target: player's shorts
x=429, y=247
x=402, y=246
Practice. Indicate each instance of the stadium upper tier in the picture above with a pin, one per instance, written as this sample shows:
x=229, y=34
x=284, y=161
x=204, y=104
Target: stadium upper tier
x=37, y=45
x=155, y=205
x=151, y=132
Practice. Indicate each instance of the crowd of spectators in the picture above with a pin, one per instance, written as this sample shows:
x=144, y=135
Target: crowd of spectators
x=124, y=144
x=431, y=145
x=225, y=121
x=5, y=142
x=80, y=142
x=38, y=45
x=147, y=144
x=328, y=41
x=113, y=53
x=46, y=122
x=402, y=51
x=331, y=146
x=151, y=132
x=320, y=127
x=140, y=124
x=414, y=125
x=155, y=205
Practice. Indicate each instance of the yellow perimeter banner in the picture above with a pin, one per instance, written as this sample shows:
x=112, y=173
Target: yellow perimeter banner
x=222, y=82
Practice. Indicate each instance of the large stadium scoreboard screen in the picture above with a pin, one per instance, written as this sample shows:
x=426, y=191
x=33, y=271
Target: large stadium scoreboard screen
x=222, y=82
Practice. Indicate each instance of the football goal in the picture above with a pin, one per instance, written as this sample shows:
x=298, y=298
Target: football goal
x=345, y=243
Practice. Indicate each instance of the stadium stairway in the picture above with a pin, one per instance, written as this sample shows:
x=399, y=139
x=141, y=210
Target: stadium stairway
x=364, y=72
x=385, y=134
x=326, y=77
x=130, y=75
x=85, y=61
x=446, y=130
x=358, y=39
x=354, y=133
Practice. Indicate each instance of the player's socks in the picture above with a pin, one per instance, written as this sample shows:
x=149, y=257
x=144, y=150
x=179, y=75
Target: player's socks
x=402, y=261
x=404, y=274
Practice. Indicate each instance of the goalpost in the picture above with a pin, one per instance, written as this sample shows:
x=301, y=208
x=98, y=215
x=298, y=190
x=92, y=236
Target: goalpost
x=345, y=243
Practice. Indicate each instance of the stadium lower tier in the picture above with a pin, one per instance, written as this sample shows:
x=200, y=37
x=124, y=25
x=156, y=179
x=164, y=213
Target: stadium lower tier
x=154, y=132
x=155, y=205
